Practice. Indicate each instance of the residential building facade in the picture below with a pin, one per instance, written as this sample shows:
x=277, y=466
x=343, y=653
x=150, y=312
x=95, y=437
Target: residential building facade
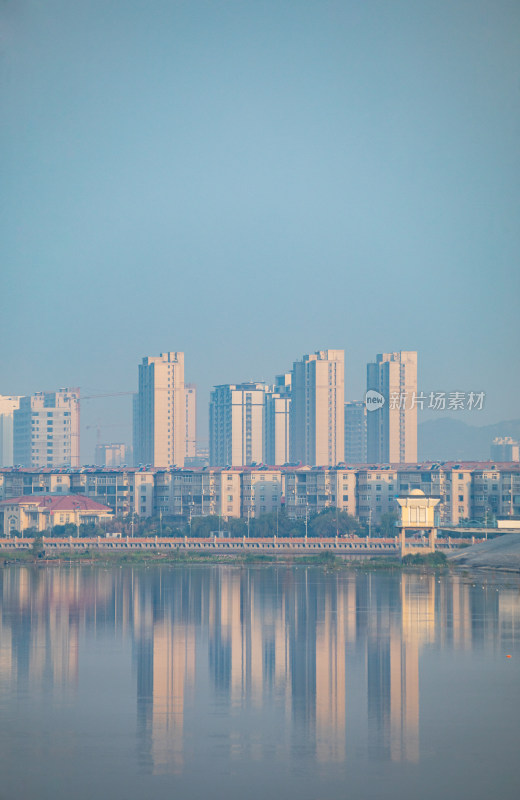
x=505, y=449
x=277, y=417
x=355, y=433
x=43, y=512
x=160, y=411
x=46, y=429
x=477, y=491
x=237, y=424
x=317, y=409
x=8, y=405
x=191, y=420
x=110, y=455
x=392, y=428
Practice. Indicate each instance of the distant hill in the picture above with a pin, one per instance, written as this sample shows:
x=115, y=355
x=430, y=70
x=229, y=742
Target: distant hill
x=449, y=439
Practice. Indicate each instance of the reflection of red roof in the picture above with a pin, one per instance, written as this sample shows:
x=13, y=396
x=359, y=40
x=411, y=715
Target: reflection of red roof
x=66, y=502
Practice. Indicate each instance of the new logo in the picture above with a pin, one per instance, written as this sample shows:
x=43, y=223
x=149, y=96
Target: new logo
x=374, y=400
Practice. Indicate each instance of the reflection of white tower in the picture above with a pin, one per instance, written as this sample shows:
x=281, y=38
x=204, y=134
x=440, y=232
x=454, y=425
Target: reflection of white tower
x=173, y=671
x=52, y=647
x=416, y=628
x=6, y=654
x=330, y=680
x=461, y=614
x=231, y=629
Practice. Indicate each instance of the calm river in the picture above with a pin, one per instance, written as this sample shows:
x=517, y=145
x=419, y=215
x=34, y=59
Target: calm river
x=257, y=682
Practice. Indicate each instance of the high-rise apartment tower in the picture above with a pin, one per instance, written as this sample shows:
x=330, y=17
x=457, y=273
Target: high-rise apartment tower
x=317, y=408
x=46, y=429
x=392, y=428
x=160, y=411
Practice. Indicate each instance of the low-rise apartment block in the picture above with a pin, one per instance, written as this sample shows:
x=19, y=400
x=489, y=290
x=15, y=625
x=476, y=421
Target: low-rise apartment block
x=477, y=491
x=311, y=490
x=261, y=491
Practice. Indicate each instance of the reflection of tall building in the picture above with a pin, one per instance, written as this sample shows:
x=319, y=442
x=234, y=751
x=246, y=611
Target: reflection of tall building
x=461, y=632
x=173, y=669
x=165, y=649
x=331, y=677
x=393, y=668
x=39, y=643
x=417, y=627
x=328, y=661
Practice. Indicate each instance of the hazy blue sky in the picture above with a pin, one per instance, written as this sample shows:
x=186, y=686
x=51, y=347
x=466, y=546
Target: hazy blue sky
x=251, y=181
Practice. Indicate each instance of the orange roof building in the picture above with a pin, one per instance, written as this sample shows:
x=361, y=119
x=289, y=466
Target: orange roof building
x=46, y=511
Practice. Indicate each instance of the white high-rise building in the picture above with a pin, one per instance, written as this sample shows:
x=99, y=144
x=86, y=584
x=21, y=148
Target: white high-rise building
x=317, y=409
x=46, y=429
x=8, y=404
x=160, y=411
x=355, y=432
x=237, y=424
x=392, y=429
x=505, y=449
x=277, y=409
x=191, y=420
x=110, y=455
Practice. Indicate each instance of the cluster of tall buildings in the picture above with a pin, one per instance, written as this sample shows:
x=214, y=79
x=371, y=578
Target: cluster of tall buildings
x=301, y=418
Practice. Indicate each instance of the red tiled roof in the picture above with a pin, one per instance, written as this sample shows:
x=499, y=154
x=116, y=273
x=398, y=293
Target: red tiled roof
x=66, y=502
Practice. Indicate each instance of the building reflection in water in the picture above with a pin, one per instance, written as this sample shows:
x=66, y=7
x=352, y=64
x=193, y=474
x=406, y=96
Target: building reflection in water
x=328, y=662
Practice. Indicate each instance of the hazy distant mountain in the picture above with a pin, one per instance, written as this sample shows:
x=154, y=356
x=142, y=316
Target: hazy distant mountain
x=448, y=439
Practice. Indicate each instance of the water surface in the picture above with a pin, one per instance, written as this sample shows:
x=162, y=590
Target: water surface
x=234, y=682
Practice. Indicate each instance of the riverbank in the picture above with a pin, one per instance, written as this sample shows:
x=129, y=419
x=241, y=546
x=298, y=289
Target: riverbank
x=326, y=559
x=502, y=553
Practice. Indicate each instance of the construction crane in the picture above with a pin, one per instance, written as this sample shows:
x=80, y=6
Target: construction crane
x=107, y=394
x=98, y=427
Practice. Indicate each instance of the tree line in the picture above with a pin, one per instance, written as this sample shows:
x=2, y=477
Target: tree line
x=326, y=524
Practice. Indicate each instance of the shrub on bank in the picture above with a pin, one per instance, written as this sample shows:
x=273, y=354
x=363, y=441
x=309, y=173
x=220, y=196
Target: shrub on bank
x=435, y=559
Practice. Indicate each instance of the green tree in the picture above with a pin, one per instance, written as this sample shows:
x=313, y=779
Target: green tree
x=69, y=529
x=37, y=548
x=89, y=530
x=386, y=527
x=330, y=521
x=202, y=527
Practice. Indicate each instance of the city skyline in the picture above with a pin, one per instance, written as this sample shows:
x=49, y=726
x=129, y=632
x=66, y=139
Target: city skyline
x=327, y=173
x=467, y=406
x=242, y=245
